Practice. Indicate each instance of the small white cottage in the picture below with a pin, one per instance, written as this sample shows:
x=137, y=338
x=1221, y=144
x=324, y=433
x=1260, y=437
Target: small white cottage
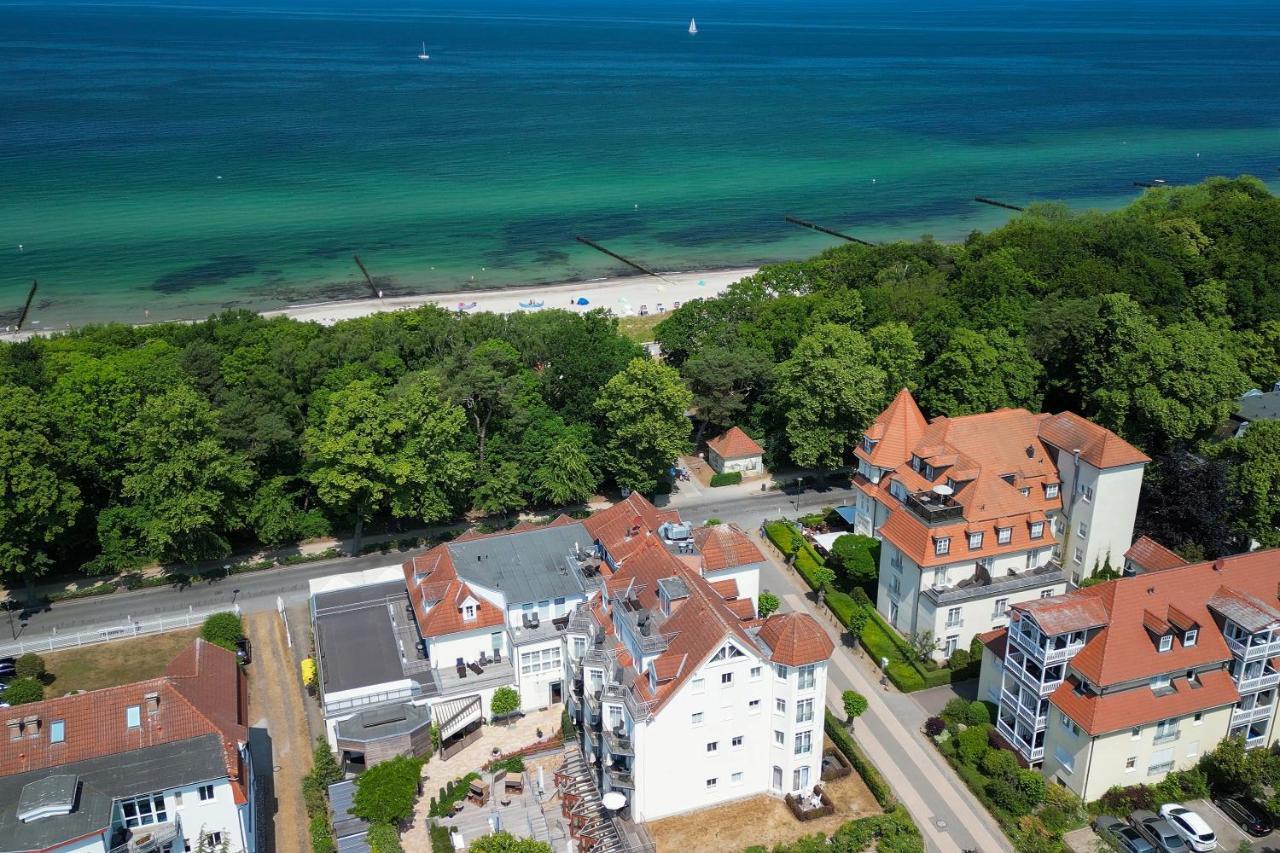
x=735, y=451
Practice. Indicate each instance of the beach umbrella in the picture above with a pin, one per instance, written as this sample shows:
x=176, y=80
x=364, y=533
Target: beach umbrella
x=702, y=282
x=582, y=300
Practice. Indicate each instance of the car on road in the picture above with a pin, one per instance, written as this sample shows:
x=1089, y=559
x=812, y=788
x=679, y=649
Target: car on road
x=1158, y=831
x=8, y=667
x=1198, y=834
x=1248, y=814
x=1117, y=832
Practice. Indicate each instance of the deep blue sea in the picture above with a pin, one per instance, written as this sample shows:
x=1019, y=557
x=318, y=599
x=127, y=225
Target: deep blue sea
x=180, y=158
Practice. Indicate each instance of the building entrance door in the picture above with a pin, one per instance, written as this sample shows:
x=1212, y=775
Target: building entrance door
x=557, y=692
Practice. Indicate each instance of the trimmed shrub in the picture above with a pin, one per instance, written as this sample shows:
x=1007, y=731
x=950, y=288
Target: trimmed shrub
x=383, y=838
x=505, y=701
x=440, y=842
x=956, y=711
x=321, y=836
x=22, y=691
x=959, y=660
x=223, y=629
x=30, y=665
x=852, y=556
x=876, y=784
x=386, y=791
x=999, y=763
x=729, y=478
x=934, y=726
x=769, y=604
x=972, y=744
x=976, y=714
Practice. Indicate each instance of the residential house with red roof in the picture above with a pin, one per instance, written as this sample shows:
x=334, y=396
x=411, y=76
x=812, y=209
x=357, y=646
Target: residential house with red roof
x=734, y=450
x=1123, y=682
x=158, y=765
x=980, y=512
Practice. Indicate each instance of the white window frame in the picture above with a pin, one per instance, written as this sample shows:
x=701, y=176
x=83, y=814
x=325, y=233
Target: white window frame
x=698, y=685
x=1083, y=530
x=780, y=706
x=469, y=612
x=804, y=711
x=781, y=671
x=753, y=707
x=1190, y=636
x=1001, y=605
x=1050, y=491
x=712, y=782
x=726, y=679
x=206, y=793
x=713, y=746
x=736, y=778
x=1166, y=642
x=1131, y=764
x=779, y=739
x=57, y=731
x=1160, y=682
x=736, y=743
x=803, y=743
x=133, y=717
x=755, y=672
x=1004, y=535
x=1078, y=556
x=1037, y=530
x=695, y=719
x=807, y=677
x=975, y=541
x=148, y=809
x=942, y=545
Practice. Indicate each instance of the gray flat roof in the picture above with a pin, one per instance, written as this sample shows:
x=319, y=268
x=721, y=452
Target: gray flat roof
x=102, y=781
x=355, y=637
x=1259, y=407
x=526, y=566
x=384, y=721
x=345, y=824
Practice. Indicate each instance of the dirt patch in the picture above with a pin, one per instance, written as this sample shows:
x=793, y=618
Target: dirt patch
x=275, y=702
x=762, y=820
x=114, y=663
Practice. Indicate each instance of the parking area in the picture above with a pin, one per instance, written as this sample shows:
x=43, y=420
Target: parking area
x=1229, y=835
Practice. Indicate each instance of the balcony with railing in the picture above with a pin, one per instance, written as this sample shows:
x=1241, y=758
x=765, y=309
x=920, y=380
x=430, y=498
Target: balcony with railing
x=155, y=838
x=1027, y=750
x=985, y=585
x=1243, y=716
x=1253, y=648
x=932, y=508
x=619, y=743
x=620, y=777
x=1162, y=767
x=1028, y=713
x=1049, y=650
x=1167, y=736
x=1255, y=742
x=1248, y=684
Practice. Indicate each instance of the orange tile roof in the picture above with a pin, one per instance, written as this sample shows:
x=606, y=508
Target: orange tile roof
x=1150, y=556
x=1098, y=446
x=1111, y=712
x=995, y=640
x=895, y=431
x=796, y=639
x=726, y=589
x=611, y=526
x=725, y=546
x=1060, y=614
x=735, y=444
x=201, y=693
x=743, y=608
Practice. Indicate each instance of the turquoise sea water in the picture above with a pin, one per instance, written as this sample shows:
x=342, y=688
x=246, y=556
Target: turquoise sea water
x=180, y=158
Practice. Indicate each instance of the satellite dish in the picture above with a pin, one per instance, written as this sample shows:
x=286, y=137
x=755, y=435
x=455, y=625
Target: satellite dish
x=943, y=489
x=613, y=800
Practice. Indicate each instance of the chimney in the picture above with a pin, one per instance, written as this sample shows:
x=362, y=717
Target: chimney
x=1219, y=564
x=32, y=725
x=15, y=729
x=152, y=701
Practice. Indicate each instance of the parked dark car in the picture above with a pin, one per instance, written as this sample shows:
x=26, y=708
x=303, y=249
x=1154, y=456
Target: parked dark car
x=1247, y=813
x=8, y=667
x=1118, y=832
x=1158, y=831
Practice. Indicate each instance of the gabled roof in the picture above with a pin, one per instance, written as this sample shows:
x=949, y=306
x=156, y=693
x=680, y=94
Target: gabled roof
x=447, y=617
x=1098, y=446
x=725, y=546
x=1150, y=556
x=1111, y=712
x=735, y=444
x=795, y=639
x=202, y=693
x=613, y=525
x=895, y=431
x=1061, y=614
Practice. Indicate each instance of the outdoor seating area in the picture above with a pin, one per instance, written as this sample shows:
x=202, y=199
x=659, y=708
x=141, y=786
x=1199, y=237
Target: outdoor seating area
x=807, y=807
x=835, y=765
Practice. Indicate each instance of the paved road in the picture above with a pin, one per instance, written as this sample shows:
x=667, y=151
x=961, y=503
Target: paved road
x=890, y=733
x=257, y=591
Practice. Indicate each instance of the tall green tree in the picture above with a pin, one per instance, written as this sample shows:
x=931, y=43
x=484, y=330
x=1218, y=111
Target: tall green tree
x=485, y=382
x=643, y=423
x=826, y=394
x=505, y=842
x=724, y=380
x=38, y=500
x=183, y=486
x=430, y=469
x=981, y=372
x=1254, y=479
x=564, y=472
x=895, y=351
x=386, y=791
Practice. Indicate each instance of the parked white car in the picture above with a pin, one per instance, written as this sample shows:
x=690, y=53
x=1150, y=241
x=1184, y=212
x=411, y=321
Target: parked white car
x=1190, y=826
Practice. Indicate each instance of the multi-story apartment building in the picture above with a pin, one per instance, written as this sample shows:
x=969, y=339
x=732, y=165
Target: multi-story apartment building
x=683, y=698
x=163, y=765
x=1122, y=682
x=981, y=512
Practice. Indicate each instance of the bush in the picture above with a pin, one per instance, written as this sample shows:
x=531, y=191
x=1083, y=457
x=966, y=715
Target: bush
x=515, y=764
x=30, y=665
x=321, y=836
x=729, y=478
x=386, y=791
x=976, y=714
x=452, y=793
x=440, y=841
x=999, y=763
x=972, y=744
x=22, y=691
x=769, y=604
x=959, y=660
x=852, y=556
x=934, y=726
x=505, y=701
x=324, y=767
x=956, y=711
x=504, y=842
x=223, y=629
x=848, y=611
x=383, y=838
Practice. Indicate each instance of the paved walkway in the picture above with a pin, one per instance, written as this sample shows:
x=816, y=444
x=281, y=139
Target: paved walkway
x=948, y=815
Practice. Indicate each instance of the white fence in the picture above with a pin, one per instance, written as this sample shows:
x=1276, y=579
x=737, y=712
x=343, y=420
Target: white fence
x=92, y=636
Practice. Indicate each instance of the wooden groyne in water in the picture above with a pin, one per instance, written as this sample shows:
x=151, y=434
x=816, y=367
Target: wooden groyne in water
x=825, y=230
x=31, y=294
x=368, y=278
x=593, y=244
x=981, y=199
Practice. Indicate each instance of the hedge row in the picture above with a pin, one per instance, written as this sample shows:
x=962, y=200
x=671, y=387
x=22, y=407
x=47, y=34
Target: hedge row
x=729, y=478
x=876, y=784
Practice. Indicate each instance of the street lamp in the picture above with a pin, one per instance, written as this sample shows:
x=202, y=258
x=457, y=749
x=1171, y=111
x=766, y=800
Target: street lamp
x=234, y=593
x=799, y=489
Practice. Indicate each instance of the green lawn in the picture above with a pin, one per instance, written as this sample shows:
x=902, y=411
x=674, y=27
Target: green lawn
x=639, y=329
x=113, y=663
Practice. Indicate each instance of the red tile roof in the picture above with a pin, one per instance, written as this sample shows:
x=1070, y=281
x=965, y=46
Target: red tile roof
x=1060, y=614
x=896, y=431
x=201, y=693
x=726, y=589
x=735, y=444
x=725, y=546
x=1098, y=446
x=1150, y=556
x=611, y=526
x=796, y=639
x=995, y=640
x=1111, y=712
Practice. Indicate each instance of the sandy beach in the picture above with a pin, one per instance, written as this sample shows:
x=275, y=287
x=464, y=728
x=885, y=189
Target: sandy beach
x=624, y=296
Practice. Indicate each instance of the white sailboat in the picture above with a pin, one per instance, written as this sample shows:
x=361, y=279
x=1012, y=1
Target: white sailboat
x=424, y=54
x=693, y=27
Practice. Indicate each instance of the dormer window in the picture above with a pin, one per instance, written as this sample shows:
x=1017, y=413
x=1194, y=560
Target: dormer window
x=898, y=490
x=868, y=444
x=942, y=545
x=57, y=731
x=1050, y=491
x=975, y=541
x=1189, y=637
x=1037, y=530
x=469, y=612
x=915, y=463
x=1166, y=642
x=1160, y=682
x=1025, y=492
x=1004, y=535
x=133, y=716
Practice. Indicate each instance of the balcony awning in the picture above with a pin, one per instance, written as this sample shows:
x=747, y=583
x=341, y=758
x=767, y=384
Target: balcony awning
x=456, y=714
x=846, y=513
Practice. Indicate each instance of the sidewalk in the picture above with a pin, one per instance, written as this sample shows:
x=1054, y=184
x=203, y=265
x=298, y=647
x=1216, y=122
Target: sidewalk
x=948, y=815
